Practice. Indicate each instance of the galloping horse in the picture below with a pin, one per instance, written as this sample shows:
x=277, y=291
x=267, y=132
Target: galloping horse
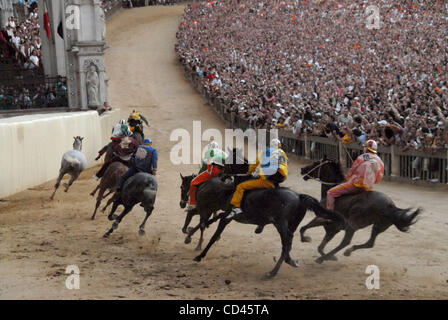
x=361, y=210
x=109, y=181
x=140, y=188
x=73, y=163
x=280, y=206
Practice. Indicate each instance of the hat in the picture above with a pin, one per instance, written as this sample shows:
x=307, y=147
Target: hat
x=383, y=122
x=148, y=141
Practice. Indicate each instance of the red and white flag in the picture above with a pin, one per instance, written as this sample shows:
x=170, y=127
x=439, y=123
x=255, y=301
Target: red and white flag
x=47, y=21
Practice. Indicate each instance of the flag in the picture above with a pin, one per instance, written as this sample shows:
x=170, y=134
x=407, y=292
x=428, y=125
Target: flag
x=47, y=21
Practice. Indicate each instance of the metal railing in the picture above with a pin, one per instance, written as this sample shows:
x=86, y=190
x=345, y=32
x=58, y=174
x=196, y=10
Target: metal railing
x=398, y=165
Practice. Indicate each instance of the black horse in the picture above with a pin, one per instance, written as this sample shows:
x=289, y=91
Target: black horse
x=282, y=207
x=140, y=188
x=361, y=210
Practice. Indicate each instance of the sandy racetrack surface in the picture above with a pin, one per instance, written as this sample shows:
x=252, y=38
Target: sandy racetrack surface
x=39, y=237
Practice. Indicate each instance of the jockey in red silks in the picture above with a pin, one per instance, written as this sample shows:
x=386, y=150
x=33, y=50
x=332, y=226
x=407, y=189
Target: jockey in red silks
x=367, y=170
x=216, y=159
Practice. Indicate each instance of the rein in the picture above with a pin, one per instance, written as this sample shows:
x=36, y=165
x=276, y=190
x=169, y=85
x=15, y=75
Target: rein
x=318, y=174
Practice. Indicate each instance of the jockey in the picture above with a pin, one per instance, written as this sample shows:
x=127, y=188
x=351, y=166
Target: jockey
x=213, y=148
x=143, y=160
x=273, y=164
x=367, y=170
x=135, y=121
x=122, y=152
x=215, y=158
x=120, y=130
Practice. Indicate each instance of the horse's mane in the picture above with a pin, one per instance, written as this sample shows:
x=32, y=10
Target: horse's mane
x=338, y=169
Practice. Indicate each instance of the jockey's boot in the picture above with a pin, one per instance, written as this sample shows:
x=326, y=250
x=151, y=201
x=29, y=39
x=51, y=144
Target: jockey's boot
x=235, y=211
x=259, y=229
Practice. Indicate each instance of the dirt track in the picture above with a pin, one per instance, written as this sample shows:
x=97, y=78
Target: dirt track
x=39, y=238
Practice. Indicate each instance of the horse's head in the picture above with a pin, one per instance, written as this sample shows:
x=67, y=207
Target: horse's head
x=185, y=189
x=77, y=144
x=325, y=170
x=235, y=162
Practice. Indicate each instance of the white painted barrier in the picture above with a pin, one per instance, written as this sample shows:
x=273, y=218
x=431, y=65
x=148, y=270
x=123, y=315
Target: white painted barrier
x=31, y=147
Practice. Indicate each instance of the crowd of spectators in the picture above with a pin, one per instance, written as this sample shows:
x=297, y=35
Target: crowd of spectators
x=44, y=95
x=316, y=68
x=25, y=37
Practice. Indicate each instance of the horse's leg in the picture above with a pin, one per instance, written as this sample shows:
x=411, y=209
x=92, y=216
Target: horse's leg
x=111, y=215
x=329, y=234
x=108, y=203
x=345, y=242
x=58, y=182
x=292, y=227
x=98, y=202
x=117, y=221
x=72, y=179
x=201, y=238
x=221, y=226
x=107, y=194
x=95, y=190
x=286, y=239
x=187, y=221
x=148, y=211
x=376, y=230
x=314, y=223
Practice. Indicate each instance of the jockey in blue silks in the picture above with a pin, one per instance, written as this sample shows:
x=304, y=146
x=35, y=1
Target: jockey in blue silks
x=143, y=160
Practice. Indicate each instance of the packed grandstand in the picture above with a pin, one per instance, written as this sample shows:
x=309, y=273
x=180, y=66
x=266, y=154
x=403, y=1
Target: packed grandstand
x=313, y=67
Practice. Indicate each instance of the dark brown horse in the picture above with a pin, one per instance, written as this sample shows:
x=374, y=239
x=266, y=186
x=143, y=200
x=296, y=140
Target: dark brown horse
x=361, y=210
x=109, y=181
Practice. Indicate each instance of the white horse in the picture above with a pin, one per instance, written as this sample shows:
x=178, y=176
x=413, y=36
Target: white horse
x=73, y=162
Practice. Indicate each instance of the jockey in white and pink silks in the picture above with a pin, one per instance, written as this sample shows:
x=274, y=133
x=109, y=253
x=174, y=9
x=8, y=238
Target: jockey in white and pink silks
x=367, y=170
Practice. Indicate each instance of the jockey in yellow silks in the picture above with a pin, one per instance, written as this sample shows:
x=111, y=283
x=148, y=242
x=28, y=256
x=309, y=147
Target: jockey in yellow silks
x=273, y=170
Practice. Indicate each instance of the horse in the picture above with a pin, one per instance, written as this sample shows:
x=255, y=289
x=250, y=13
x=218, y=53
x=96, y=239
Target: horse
x=361, y=210
x=140, y=188
x=282, y=207
x=108, y=181
x=206, y=197
x=73, y=163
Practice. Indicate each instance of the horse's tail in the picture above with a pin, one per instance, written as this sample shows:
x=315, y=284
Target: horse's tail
x=314, y=205
x=401, y=219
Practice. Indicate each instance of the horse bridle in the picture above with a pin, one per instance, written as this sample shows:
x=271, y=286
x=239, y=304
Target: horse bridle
x=318, y=174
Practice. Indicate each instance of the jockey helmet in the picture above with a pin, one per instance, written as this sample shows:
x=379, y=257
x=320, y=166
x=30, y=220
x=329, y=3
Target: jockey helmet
x=148, y=141
x=135, y=115
x=371, y=145
x=122, y=121
x=213, y=145
x=275, y=143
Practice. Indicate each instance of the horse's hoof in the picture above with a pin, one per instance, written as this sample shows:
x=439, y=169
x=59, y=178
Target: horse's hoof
x=115, y=225
x=293, y=263
x=93, y=218
x=319, y=260
x=198, y=248
x=141, y=232
x=259, y=229
x=197, y=259
x=187, y=240
x=269, y=275
x=106, y=235
x=348, y=252
x=184, y=231
x=305, y=239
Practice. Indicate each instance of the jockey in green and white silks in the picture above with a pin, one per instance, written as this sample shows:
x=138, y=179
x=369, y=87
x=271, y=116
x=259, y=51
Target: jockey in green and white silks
x=212, y=152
